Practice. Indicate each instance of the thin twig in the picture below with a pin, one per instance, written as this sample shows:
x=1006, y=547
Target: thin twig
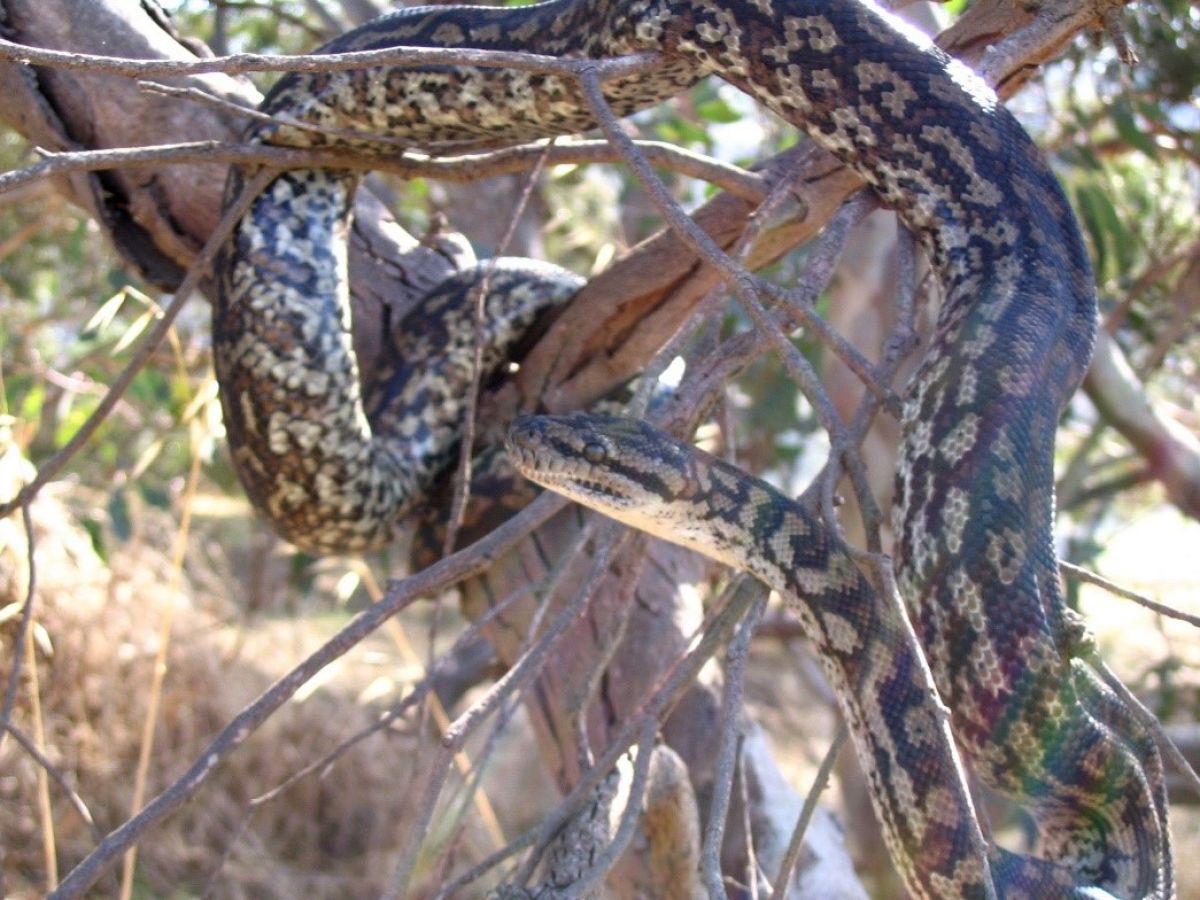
x=707, y=377
x=479, y=296
x=1150, y=721
x=730, y=734
x=161, y=659
x=521, y=672
x=746, y=286
x=461, y=479
x=752, y=864
x=603, y=861
x=73, y=798
x=459, y=168
x=900, y=343
x=549, y=588
x=416, y=695
x=623, y=594
x=1082, y=574
x=606, y=545
x=707, y=312
x=240, y=63
x=371, y=151
x=796, y=844
x=45, y=810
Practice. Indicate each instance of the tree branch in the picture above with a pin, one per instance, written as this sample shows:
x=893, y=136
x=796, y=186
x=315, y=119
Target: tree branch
x=1171, y=452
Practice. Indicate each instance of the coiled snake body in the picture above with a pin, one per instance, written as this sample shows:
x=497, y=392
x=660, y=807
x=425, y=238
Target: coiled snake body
x=975, y=482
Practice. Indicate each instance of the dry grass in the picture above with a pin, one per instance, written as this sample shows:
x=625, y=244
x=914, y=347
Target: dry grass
x=98, y=626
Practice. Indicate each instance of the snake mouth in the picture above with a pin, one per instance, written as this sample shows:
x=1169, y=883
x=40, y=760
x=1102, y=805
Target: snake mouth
x=522, y=442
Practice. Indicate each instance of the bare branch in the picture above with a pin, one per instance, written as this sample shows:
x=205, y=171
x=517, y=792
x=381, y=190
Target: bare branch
x=796, y=844
x=712, y=634
x=1172, y=453
x=731, y=703
x=590, y=879
x=1078, y=572
x=520, y=674
x=241, y=63
x=459, y=169
x=77, y=803
x=747, y=286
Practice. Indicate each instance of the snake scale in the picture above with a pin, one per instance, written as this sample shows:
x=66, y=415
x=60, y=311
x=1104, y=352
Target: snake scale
x=333, y=467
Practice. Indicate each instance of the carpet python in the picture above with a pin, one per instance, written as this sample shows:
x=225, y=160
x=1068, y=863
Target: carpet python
x=333, y=465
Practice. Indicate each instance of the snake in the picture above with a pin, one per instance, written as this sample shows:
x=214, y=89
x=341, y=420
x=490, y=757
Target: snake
x=334, y=465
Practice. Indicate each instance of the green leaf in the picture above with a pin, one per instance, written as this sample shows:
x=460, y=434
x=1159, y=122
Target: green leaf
x=1115, y=244
x=1087, y=203
x=96, y=533
x=103, y=317
x=683, y=133
x=30, y=406
x=1127, y=128
x=1151, y=111
x=717, y=110
x=1120, y=238
x=1080, y=156
x=154, y=495
x=118, y=514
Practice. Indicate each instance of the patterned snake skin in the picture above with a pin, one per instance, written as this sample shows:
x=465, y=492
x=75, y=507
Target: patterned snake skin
x=333, y=470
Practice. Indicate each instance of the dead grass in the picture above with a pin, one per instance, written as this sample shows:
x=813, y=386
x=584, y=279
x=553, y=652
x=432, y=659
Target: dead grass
x=98, y=625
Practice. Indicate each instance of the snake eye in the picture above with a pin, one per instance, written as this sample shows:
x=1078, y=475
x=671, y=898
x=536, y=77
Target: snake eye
x=595, y=452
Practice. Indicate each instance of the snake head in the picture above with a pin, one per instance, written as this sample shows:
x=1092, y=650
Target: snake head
x=634, y=473
x=621, y=467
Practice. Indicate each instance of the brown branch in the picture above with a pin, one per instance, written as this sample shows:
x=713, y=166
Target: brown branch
x=1172, y=454
x=1082, y=574
x=415, y=696
x=734, y=355
x=242, y=63
x=479, y=295
x=749, y=289
x=589, y=880
x=594, y=346
x=188, y=785
x=796, y=843
x=520, y=674
x=731, y=702
x=458, y=169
